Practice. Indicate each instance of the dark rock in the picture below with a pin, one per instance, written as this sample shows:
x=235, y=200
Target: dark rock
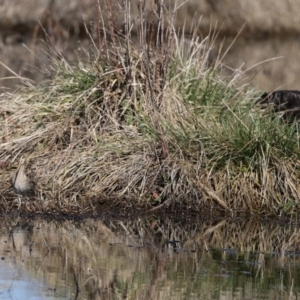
x=285, y=102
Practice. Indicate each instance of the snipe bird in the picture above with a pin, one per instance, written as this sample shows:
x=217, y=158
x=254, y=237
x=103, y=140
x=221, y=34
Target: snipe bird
x=21, y=183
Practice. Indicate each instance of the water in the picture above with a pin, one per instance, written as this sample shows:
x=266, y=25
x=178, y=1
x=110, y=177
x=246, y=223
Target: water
x=149, y=258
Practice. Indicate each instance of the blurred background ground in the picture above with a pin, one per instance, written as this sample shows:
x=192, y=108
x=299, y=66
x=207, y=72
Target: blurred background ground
x=269, y=29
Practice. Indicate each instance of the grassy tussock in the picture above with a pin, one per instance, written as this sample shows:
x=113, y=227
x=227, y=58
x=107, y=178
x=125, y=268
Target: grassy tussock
x=148, y=126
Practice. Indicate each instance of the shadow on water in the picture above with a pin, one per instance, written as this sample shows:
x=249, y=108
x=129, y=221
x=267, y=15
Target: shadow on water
x=149, y=258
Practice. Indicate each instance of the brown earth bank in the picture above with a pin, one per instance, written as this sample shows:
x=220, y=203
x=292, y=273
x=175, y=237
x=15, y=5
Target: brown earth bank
x=259, y=17
x=114, y=209
x=125, y=209
x=112, y=212
x=269, y=64
x=266, y=49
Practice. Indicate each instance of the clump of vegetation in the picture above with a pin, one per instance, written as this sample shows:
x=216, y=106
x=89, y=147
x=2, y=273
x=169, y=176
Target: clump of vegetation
x=147, y=125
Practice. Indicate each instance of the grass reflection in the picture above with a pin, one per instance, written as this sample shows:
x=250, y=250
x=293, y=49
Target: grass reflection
x=156, y=258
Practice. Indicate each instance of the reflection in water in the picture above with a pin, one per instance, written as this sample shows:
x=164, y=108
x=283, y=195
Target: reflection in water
x=149, y=259
x=16, y=282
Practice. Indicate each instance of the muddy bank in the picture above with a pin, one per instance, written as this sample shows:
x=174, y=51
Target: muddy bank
x=259, y=18
x=29, y=32
x=268, y=63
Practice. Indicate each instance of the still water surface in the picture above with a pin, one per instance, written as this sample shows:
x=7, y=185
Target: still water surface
x=149, y=258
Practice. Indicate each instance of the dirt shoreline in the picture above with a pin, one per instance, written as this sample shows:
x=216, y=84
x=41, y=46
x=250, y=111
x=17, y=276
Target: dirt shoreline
x=270, y=16
x=124, y=209
x=111, y=212
x=270, y=31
